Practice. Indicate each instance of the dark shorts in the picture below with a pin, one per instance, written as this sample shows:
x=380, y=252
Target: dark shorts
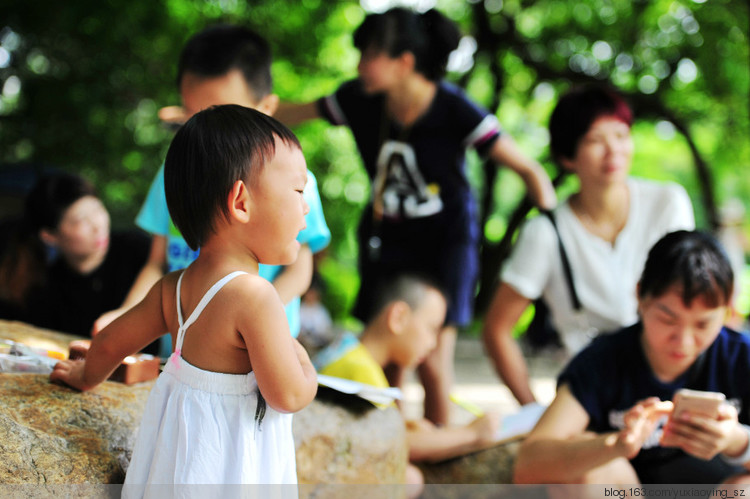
x=683, y=468
x=450, y=260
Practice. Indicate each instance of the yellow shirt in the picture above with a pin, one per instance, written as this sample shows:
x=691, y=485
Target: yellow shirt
x=356, y=364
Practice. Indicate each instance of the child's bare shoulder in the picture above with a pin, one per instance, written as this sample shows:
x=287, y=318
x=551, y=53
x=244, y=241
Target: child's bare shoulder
x=253, y=290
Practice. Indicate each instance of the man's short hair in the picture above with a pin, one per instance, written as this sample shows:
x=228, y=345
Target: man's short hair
x=695, y=262
x=219, y=49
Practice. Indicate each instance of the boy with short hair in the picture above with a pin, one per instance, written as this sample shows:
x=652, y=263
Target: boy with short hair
x=407, y=316
x=605, y=424
x=223, y=64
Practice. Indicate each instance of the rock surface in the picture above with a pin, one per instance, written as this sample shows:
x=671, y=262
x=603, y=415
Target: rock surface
x=489, y=466
x=51, y=434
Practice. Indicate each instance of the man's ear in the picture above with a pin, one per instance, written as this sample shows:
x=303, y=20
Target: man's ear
x=173, y=114
x=239, y=202
x=48, y=237
x=268, y=104
x=397, y=315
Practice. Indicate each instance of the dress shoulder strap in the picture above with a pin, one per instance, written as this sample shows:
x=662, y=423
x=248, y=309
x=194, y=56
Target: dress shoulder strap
x=199, y=308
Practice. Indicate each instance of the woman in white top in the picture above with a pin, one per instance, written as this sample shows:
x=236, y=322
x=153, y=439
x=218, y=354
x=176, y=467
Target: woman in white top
x=606, y=228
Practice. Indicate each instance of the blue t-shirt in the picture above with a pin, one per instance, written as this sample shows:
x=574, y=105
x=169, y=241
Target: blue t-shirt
x=154, y=218
x=418, y=171
x=612, y=374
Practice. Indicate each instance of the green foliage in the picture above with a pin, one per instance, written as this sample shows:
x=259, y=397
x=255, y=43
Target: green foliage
x=82, y=81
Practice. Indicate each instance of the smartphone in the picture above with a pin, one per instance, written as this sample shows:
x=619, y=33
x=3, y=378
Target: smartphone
x=697, y=402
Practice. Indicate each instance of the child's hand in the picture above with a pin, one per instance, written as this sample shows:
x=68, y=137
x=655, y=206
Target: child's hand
x=485, y=428
x=701, y=436
x=70, y=372
x=640, y=423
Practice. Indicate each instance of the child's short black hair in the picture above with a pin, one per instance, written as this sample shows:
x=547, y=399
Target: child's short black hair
x=219, y=49
x=408, y=287
x=577, y=110
x=214, y=149
x=693, y=260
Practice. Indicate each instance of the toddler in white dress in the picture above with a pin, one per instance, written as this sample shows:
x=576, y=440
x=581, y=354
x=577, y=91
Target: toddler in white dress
x=219, y=413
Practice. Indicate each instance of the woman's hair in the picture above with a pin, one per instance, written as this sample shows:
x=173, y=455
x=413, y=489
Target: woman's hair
x=695, y=262
x=577, y=110
x=215, y=148
x=430, y=36
x=219, y=49
x=51, y=196
x=23, y=257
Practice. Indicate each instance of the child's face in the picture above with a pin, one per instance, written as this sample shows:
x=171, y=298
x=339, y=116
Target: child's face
x=199, y=93
x=604, y=153
x=278, y=206
x=419, y=337
x=674, y=334
x=83, y=231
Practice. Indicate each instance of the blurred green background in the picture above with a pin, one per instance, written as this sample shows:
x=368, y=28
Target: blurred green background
x=81, y=83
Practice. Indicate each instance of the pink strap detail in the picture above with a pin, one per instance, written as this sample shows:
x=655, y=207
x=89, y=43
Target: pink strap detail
x=177, y=354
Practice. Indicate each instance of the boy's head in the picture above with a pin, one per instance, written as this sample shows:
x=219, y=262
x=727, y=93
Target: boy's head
x=223, y=64
x=411, y=310
x=214, y=150
x=683, y=294
x=576, y=111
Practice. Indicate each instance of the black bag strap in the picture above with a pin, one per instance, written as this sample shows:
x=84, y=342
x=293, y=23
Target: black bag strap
x=565, y=263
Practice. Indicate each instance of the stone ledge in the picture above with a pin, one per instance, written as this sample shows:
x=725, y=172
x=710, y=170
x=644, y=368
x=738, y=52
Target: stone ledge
x=51, y=434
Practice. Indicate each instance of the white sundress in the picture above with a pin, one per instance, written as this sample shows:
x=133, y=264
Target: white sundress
x=199, y=427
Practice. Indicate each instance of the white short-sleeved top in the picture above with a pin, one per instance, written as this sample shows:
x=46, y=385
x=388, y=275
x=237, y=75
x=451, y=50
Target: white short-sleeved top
x=605, y=275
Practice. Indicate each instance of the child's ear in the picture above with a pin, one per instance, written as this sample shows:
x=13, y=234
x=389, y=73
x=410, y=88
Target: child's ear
x=48, y=237
x=269, y=104
x=397, y=315
x=239, y=202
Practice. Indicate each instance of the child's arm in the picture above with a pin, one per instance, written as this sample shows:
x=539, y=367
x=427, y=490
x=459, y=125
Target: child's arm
x=538, y=185
x=128, y=334
x=293, y=114
x=704, y=438
x=295, y=279
x=285, y=375
x=430, y=443
x=558, y=449
x=150, y=273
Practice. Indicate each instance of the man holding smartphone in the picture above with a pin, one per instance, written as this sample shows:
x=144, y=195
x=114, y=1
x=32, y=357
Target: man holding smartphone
x=612, y=421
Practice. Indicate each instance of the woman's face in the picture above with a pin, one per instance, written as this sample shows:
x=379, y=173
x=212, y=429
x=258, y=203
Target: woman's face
x=83, y=231
x=378, y=71
x=674, y=334
x=604, y=153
